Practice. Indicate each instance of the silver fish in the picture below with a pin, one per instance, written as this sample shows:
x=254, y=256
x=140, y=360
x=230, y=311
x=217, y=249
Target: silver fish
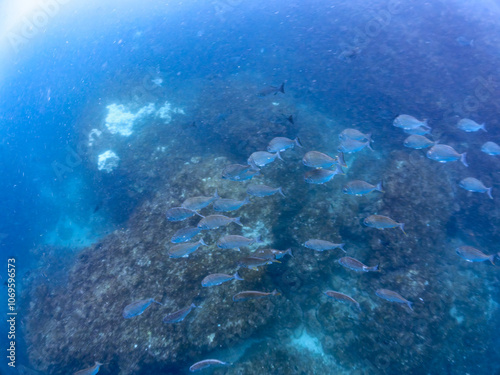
x=471, y=254
x=420, y=130
x=445, y=154
x=273, y=253
x=179, y=315
x=468, y=125
x=197, y=203
x=282, y=144
x=391, y=296
x=238, y=172
x=409, y=122
x=254, y=263
x=355, y=134
x=207, y=363
x=350, y=146
x=272, y=90
x=183, y=250
x=344, y=298
x=356, y=265
x=320, y=175
x=216, y=221
x=316, y=159
x=418, y=142
x=90, y=371
x=233, y=241
x=137, y=307
x=322, y=245
x=262, y=158
x=382, y=222
x=227, y=205
x=252, y=294
x=180, y=214
x=358, y=187
x=263, y=190
x=218, y=279
x=474, y=185
x=491, y=148
x=185, y=234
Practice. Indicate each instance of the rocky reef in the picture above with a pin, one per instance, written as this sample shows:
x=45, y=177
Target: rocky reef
x=74, y=323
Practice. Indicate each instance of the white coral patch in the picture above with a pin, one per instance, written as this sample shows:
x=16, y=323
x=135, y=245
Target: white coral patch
x=107, y=161
x=165, y=112
x=121, y=121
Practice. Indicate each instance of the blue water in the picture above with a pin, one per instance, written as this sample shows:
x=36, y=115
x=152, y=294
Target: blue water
x=345, y=64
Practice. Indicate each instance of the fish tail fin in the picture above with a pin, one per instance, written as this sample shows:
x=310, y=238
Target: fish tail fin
x=339, y=170
x=463, y=159
x=492, y=259
x=298, y=142
x=489, y=192
x=258, y=239
x=375, y=268
x=425, y=124
x=341, y=247
x=402, y=226
x=237, y=220
x=341, y=160
x=281, y=192
x=197, y=213
x=368, y=144
x=202, y=242
x=369, y=137
x=159, y=303
x=289, y=252
x=275, y=293
x=279, y=155
x=379, y=187
x=281, y=88
x=483, y=126
x=246, y=200
x=216, y=194
x=410, y=305
x=237, y=277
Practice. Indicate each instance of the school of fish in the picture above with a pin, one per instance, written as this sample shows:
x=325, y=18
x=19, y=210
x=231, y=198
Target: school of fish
x=323, y=168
